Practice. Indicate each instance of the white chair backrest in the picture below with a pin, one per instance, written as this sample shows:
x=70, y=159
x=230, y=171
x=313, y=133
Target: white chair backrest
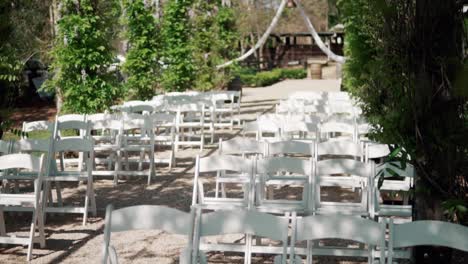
x=146, y=217
x=21, y=161
x=284, y=164
x=420, y=233
x=224, y=163
x=73, y=144
x=376, y=151
x=343, y=166
x=337, y=127
x=71, y=117
x=103, y=117
x=240, y=146
x=32, y=145
x=37, y=126
x=291, y=147
x=243, y=222
x=341, y=227
x=339, y=148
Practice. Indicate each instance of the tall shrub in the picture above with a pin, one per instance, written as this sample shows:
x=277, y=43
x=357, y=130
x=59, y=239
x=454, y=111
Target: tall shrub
x=82, y=55
x=215, y=41
x=142, y=62
x=178, y=63
x=407, y=65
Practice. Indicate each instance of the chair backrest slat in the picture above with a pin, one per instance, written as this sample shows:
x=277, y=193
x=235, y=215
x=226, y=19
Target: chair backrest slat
x=243, y=222
x=343, y=166
x=339, y=227
x=20, y=161
x=284, y=164
x=228, y=163
x=435, y=233
x=151, y=217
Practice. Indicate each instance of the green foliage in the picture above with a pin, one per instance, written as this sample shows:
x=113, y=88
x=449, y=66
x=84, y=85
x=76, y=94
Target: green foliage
x=179, y=67
x=82, y=55
x=265, y=78
x=214, y=42
x=142, y=62
x=407, y=69
x=293, y=73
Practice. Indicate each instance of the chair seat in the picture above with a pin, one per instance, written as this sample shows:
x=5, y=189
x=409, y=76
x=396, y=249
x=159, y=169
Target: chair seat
x=7, y=199
x=395, y=210
x=341, y=208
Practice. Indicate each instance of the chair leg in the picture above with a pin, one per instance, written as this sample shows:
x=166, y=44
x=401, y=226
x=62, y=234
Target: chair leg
x=32, y=232
x=2, y=222
x=40, y=226
x=58, y=192
x=93, y=198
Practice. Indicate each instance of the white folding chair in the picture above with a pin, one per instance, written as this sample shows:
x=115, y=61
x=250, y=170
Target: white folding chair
x=107, y=134
x=244, y=147
x=238, y=171
x=147, y=217
x=80, y=128
x=223, y=109
x=425, y=233
x=242, y=222
x=279, y=172
x=319, y=227
x=164, y=135
x=37, y=146
x=137, y=136
x=325, y=175
x=190, y=124
x=391, y=172
x=8, y=165
x=85, y=147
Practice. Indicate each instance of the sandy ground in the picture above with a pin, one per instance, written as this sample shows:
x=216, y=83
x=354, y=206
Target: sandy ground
x=70, y=242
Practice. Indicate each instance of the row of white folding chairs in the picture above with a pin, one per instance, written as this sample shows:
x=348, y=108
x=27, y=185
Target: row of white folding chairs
x=41, y=172
x=328, y=150
x=191, y=120
x=117, y=135
x=196, y=226
x=275, y=127
x=257, y=177
x=222, y=106
x=53, y=174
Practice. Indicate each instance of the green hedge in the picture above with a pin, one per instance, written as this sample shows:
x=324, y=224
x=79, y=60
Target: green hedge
x=257, y=79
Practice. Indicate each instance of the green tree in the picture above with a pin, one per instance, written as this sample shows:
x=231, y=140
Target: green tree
x=22, y=38
x=179, y=69
x=215, y=41
x=82, y=55
x=142, y=62
x=406, y=64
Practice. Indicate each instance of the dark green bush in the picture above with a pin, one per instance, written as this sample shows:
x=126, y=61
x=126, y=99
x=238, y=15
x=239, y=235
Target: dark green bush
x=257, y=79
x=293, y=73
